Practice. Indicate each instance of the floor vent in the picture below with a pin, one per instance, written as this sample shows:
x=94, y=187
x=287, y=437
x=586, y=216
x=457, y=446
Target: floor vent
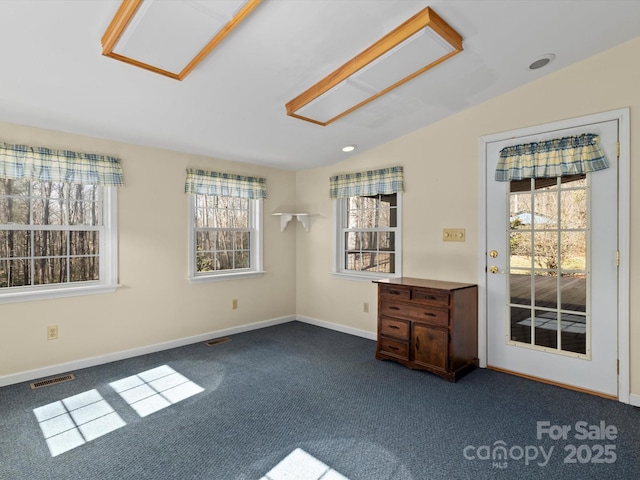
x=53, y=381
x=217, y=341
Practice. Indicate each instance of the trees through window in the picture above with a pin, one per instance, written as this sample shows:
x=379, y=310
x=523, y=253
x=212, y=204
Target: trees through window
x=223, y=233
x=226, y=235
x=50, y=233
x=369, y=229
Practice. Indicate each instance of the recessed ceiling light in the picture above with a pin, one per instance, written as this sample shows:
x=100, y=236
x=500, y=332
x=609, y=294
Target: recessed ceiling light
x=542, y=61
x=349, y=148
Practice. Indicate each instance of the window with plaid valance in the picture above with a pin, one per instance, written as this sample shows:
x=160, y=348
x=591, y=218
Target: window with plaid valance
x=202, y=182
x=46, y=165
x=368, y=223
x=551, y=158
x=383, y=181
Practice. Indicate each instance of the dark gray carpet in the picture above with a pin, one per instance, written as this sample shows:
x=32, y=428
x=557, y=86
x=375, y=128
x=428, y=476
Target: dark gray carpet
x=270, y=391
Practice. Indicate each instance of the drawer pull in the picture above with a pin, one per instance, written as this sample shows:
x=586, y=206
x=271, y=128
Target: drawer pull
x=395, y=327
x=429, y=297
x=394, y=308
x=417, y=344
x=429, y=314
x=393, y=348
x=394, y=292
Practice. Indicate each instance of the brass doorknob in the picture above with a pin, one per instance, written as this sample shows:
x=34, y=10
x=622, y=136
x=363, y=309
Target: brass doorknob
x=493, y=269
x=493, y=254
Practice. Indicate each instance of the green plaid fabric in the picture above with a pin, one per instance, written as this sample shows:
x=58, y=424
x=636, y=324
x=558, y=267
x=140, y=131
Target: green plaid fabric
x=373, y=182
x=43, y=164
x=551, y=158
x=224, y=184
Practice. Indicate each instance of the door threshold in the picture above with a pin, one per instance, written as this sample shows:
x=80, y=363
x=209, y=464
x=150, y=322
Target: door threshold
x=556, y=384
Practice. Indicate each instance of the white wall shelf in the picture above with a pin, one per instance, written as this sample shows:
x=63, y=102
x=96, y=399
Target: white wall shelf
x=285, y=218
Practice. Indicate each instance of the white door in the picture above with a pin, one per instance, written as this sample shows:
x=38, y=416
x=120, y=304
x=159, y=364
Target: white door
x=552, y=271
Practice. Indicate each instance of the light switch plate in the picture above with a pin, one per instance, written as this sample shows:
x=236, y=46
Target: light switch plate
x=453, y=235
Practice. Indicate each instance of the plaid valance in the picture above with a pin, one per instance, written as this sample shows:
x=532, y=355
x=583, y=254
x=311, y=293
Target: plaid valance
x=373, y=182
x=551, y=158
x=43, y=164
x=224, y=184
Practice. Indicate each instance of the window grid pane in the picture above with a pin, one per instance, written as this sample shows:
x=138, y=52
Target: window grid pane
x=49, y=233
x=369, y=234
x=223, y=233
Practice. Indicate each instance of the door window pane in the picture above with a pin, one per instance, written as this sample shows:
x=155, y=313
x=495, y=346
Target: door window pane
x=573, y=292
x=574, y=333
x=546, y=329
x=546, y=291
x=520, y=286
x=521, y=325
x=574, y=251
x=546, y=250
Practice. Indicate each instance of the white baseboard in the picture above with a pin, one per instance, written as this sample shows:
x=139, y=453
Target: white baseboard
x=634, y=399
x=134, y=352
x=337, y=327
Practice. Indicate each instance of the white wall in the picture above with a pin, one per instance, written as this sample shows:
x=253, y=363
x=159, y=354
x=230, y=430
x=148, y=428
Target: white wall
x=156, y=303
x=441, y=171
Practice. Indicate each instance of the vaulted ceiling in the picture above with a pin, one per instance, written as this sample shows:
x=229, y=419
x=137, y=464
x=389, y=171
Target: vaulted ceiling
x=232, y=105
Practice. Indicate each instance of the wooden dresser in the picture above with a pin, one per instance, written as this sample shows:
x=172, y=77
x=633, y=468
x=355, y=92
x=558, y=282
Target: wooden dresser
x=428, y=324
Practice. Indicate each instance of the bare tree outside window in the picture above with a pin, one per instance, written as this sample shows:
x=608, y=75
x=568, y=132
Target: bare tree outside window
x=369, y=233
x=49, y=233
x=222, y=233
x=548, y=225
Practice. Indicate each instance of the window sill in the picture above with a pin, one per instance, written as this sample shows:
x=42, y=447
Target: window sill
x=46, y=293
x=220, y=277
x=362, y=277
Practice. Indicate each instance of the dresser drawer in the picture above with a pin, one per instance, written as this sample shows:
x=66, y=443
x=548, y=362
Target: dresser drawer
x=392, y=327
x=394, y=292
x=425, y=295
x=393, y=348
x=422, y=313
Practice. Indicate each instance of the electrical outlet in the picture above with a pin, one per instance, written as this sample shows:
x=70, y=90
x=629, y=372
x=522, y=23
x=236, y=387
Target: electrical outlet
x=234, y=304
x=52, y=332
x=365, y=307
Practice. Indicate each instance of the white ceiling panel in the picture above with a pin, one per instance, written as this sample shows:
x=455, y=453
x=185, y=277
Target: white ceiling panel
x=169, y=34
x=232, y=105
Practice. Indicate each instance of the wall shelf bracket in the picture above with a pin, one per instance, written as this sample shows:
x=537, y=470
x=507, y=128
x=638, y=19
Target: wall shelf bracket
x=285, y=218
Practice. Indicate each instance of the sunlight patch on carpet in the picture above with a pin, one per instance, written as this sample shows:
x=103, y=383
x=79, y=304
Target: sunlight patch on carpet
x=155, y=389
x=299, y=465
x=76, y=420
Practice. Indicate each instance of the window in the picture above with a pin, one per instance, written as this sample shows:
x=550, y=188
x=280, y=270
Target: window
x=368, y=216
x=369, y=234
x=226, y=226
x=57, y=238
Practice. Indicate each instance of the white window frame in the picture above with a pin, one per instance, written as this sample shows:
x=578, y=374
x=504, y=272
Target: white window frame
x=256, y=245
x=108, y=262
x=340, y=217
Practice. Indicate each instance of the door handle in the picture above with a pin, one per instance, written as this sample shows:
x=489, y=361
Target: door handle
x=493, y=269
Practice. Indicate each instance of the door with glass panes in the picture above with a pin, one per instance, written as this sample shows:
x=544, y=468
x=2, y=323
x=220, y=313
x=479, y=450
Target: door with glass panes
x=552, y=271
